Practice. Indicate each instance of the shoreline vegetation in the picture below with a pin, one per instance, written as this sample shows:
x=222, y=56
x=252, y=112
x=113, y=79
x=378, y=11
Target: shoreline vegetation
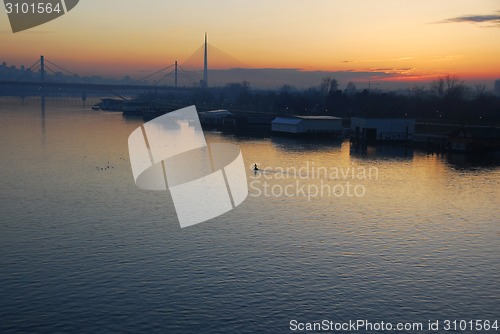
x=446, y=107
x=447, y=100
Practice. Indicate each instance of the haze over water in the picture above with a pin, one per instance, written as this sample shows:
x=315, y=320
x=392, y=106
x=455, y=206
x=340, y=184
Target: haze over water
x=82, y=249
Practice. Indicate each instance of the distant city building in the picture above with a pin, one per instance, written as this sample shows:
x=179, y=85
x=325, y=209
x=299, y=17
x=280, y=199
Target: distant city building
x=497, y=87
x=382, y=129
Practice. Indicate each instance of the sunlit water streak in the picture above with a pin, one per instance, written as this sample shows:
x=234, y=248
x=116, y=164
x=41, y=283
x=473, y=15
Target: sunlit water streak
x=82, y=249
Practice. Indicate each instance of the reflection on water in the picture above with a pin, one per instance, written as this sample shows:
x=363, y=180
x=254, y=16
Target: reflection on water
x=83, y=250
x=302, y=144
x=382, y=151
x=472, y=162
x=42, y=113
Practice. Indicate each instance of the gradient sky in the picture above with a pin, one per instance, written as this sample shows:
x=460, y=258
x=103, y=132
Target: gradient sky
x=410, y=39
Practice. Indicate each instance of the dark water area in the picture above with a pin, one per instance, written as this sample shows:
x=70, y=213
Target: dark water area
x=83, y=250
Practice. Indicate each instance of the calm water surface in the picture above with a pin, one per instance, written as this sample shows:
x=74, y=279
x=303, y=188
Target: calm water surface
x=83, y=250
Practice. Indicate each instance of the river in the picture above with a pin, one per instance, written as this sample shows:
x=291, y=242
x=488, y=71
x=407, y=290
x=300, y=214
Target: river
x=328, y=232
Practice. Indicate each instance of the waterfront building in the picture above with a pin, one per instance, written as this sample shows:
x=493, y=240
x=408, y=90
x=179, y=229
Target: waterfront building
x=382, y=129
x=307, y=125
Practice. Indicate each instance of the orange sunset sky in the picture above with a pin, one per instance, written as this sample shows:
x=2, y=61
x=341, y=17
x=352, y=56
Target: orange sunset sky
x=408, y=40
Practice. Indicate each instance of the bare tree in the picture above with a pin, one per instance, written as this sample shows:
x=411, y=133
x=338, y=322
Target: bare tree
x=480, y=90
x=450, y=87
x=328, y=86
x=437, y=86
x=417, y=92
x=455, y=88
x=350, y=89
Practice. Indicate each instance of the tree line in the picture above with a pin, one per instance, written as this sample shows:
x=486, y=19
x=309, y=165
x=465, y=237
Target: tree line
x=447, y=100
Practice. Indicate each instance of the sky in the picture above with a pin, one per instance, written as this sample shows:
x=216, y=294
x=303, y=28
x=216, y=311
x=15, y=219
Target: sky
x=383, y=40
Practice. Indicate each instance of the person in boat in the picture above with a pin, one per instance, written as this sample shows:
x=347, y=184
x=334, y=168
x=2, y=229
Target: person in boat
x=255, y=168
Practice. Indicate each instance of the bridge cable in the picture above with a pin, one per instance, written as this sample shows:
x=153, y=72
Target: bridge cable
x=27, y=71
x=65, y=70
x=56, y=76
x=150, y=75
x=186, y=74
x=163, y=78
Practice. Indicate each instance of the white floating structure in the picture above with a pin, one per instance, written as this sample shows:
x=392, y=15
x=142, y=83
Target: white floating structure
x=214, y=118
x=307, y=125
x=382, y=129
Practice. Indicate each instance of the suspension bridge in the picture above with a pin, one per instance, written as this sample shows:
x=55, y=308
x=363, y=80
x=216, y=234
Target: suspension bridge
x=51, y=75
x=46, y=76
